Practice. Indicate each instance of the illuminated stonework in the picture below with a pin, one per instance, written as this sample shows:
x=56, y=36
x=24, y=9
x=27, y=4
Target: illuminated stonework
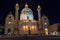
x=28, y=27
x=27, y=24
x=46, y=31
x=9, y=24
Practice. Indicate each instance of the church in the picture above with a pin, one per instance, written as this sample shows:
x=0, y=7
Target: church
x=27, y=25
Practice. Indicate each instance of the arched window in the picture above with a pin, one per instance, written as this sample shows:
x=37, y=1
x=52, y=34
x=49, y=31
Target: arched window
x=9, y=30
x=27, y=17
x=58, y=28
x=9, y=16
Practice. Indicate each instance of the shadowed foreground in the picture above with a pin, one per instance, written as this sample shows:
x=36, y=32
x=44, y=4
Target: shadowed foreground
x=31, y=37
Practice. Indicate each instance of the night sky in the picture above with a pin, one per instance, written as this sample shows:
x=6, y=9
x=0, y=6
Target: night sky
x=50, y=8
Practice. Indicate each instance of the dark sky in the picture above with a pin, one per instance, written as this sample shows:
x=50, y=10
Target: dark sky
x=50, y=8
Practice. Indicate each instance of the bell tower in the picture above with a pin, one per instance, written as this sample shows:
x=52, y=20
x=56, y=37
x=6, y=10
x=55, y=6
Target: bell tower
x=45, y=24
x=9, y=25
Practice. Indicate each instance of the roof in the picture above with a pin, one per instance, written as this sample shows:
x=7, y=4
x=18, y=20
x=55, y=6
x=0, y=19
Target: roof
x=26, y=10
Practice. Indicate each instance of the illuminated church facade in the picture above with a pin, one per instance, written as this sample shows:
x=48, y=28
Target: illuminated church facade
x=26, y=24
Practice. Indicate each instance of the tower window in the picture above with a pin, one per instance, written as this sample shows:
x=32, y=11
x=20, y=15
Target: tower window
x=9, y=22
x=44, y=18
x=45, y=23
x=9, y=16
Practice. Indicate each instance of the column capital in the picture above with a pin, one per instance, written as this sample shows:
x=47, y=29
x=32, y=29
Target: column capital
x=17, y=6
x=38, y=8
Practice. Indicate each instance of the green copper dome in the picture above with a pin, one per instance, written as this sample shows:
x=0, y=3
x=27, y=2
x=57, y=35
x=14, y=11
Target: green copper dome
x=26, y=14
x=27, y=10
